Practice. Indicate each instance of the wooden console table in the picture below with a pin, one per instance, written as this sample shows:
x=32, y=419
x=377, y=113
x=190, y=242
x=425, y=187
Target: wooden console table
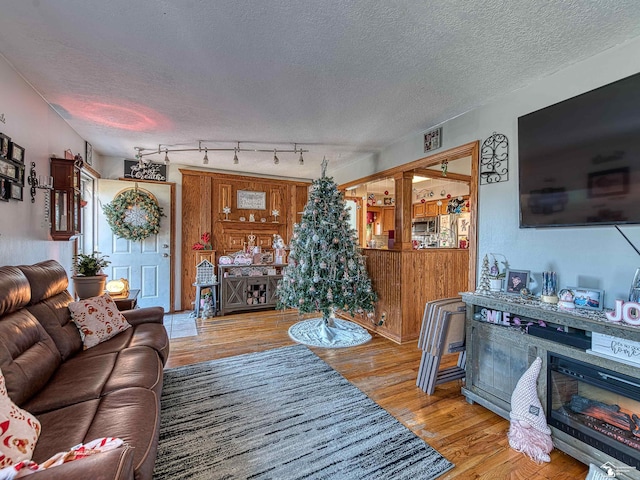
x=248, y=287
x=498, y=355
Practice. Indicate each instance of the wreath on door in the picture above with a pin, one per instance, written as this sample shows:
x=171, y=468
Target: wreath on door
x=133, y=215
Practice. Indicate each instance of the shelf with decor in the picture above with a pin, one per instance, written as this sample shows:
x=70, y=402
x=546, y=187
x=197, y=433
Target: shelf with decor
x=248, y=287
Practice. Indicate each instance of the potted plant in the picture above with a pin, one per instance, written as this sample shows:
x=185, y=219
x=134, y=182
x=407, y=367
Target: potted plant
x=88, y=279
x=495, y=275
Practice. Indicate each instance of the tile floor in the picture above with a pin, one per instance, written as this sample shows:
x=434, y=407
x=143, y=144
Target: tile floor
x=181, y=324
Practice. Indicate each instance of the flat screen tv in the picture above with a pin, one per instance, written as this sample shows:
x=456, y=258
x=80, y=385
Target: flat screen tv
x=579, y=160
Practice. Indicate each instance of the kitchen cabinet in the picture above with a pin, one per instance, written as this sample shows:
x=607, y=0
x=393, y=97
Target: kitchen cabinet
x=65, y=198
x=418, y=210
x=388, y=219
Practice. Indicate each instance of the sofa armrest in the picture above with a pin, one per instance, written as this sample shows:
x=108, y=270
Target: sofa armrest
x=113, y=465
x=144, y=315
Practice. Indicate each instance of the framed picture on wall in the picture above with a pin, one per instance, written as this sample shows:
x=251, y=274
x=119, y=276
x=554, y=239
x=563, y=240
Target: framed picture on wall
x=16, y=191
x=250, y=200
x=5, y=191
x=17, y=153
x=516, y=280
x=88, y=153
x=4, y=145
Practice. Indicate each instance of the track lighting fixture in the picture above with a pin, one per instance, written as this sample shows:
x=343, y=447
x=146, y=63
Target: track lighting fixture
x=205, y=160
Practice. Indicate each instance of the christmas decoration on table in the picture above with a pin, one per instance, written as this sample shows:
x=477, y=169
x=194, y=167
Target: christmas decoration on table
x=529, y=432
x=133, y=215
x=483, y=284
x=326, y=270
x=204, y=243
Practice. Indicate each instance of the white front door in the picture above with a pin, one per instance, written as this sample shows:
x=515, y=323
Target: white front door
x=146, y=264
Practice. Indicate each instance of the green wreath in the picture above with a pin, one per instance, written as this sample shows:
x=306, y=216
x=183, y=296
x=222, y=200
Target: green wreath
x=133, y=215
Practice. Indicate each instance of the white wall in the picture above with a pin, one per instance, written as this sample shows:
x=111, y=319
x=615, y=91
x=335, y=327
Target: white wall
x=34, y=125
x=596, y=257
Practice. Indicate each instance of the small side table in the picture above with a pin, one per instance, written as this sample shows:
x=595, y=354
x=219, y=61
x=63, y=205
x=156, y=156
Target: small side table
x=214, y=296
x=127, y=303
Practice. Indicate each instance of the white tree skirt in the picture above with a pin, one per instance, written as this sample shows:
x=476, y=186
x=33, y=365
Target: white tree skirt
x=315, y=333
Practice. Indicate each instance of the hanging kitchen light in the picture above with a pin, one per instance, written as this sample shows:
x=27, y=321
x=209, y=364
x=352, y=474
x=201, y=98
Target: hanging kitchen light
x=205, y=160
x=276, y=160
x=166, y=157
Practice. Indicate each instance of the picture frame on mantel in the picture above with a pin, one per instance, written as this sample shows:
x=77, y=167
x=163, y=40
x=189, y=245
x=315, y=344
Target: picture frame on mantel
x=250, y=200
x=587, y=298
x=516, y=280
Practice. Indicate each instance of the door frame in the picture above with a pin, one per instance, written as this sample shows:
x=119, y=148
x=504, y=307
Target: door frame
x=172, y=235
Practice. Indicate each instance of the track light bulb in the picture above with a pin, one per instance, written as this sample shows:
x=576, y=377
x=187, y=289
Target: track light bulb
x=301, y=160
x=205, y=160
x=276, y=160
x=235, y=157
x=166, y=157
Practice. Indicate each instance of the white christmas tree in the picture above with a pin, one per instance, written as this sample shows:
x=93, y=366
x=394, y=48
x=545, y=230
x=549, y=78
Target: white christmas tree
x=483, y=284
x=326, y=270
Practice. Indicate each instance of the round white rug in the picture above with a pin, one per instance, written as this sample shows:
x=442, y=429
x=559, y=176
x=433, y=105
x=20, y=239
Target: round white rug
x=315, y=333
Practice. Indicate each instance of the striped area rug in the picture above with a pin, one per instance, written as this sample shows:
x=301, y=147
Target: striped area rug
x=281, y=414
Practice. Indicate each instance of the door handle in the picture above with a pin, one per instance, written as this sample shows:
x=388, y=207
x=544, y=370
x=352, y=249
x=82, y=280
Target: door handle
x=165, y=255
x=165, y=245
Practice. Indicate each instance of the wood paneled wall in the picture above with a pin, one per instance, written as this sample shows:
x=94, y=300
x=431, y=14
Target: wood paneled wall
x=406, y=280
x=205, y=194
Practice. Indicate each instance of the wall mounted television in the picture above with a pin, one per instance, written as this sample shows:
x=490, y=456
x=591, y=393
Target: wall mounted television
x=579, y=160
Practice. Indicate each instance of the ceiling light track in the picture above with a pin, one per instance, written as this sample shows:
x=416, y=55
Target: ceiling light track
x=165, y=149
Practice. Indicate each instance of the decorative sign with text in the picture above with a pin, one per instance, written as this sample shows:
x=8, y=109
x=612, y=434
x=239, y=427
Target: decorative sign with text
x=628, y=312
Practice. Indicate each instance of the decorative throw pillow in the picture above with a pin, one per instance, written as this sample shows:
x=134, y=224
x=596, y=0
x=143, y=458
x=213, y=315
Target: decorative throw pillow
x=98, y=319
x=19, y=430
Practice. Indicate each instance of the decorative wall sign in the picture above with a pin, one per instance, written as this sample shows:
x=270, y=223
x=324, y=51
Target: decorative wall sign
x=494, y=159
x=433, y=140
x=145, y=170
x=249, y=200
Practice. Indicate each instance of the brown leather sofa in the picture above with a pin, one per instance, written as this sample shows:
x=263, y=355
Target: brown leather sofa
x=110, y=390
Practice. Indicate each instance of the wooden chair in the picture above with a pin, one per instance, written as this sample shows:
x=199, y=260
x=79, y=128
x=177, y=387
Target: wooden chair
x=442, y=332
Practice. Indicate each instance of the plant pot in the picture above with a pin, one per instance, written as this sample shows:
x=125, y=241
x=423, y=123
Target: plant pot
x=86, y=287
x=495, y=284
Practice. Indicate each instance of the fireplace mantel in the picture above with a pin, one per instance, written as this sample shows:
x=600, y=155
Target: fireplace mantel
x=498, y=355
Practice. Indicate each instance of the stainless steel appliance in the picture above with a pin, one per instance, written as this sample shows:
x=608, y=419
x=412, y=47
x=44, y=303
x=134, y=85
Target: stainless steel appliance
x=424, y=232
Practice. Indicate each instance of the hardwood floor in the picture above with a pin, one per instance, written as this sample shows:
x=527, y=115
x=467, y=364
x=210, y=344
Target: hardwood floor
x=470, y=436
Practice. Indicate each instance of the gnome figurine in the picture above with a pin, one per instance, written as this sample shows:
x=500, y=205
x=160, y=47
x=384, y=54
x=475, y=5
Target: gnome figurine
x=529, y=432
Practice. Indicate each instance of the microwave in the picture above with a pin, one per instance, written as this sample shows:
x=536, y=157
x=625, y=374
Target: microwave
x=425, y=226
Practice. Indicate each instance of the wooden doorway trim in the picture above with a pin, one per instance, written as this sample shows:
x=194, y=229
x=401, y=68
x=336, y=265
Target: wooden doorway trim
x=472, y=150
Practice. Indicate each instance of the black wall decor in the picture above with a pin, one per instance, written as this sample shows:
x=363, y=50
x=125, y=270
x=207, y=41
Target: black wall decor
x=494, y=159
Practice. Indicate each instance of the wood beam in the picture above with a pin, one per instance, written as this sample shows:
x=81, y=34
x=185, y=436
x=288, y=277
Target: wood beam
x=437, y=174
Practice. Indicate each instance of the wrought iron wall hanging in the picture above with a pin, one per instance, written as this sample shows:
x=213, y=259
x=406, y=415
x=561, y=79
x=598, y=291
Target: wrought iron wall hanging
x=494, y=159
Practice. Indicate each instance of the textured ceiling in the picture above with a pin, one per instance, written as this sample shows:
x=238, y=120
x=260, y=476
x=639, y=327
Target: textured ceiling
x=342, y=78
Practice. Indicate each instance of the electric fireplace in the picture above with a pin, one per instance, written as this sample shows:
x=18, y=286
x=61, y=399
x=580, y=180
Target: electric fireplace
x=596, y=406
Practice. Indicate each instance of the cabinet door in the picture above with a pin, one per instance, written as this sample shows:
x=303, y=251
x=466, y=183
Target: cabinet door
x=418, y=210
x=388, y=219
x=431, y=209
x=233, y=293
x=235, y=241
x=500, y=357
x=264, y=240
x=256, y=292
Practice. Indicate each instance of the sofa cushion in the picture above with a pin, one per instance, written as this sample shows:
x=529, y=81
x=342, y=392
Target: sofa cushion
x=85, y=378
x=55, y=317
x=150, y=335
x=15, y=290
x=28, y=356
x=73, y=382
x=46, y=278
x=132, y=414
x=19, y=430
x=98, y=319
